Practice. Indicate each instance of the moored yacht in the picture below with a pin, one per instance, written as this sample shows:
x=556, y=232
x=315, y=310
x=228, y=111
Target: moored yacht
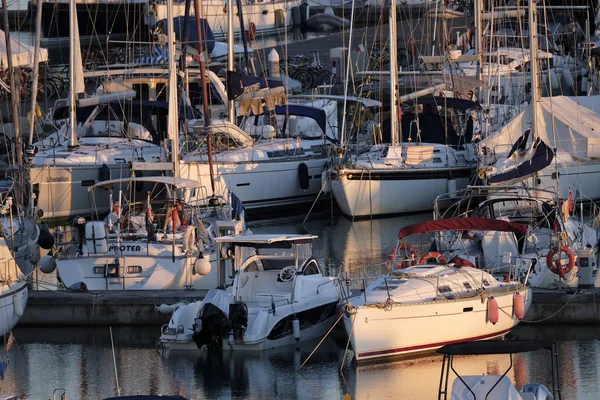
x=276, y=295
x=423, y=304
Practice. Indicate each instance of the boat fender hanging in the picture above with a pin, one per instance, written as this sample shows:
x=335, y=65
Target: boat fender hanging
x=45, y=240
x=556, y=266
x=104, y=173
x=33, y=251
x=437, y=258
x=47, y=264
x=189, y=238
x=303, y=176
x=408, y=250
x=202, y=266
x=518, y=305
x=492, y=310
x=296, y=328
x=18, y=304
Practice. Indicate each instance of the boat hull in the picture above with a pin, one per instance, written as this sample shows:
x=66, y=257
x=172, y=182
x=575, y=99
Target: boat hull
x=361, y=193
x=13, y=299
x=408, y=330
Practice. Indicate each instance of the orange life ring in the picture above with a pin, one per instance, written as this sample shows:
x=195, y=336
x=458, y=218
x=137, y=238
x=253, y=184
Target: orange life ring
x=556, y=266
x=439, y=258
x=408, y=249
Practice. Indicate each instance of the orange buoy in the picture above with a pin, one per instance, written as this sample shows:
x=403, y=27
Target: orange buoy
x=492, y=310
x=519, y=305
x=556, y=266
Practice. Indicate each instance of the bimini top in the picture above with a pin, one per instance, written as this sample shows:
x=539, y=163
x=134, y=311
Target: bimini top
x=494, y=347
x=464, y=224
x=249, y=240
x=177, y=183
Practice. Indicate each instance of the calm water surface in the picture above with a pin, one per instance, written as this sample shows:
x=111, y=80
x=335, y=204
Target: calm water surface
x=80, y=360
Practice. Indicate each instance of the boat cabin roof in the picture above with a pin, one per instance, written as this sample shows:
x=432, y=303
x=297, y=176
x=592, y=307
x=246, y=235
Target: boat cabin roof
x=250, y=240
x=177, y=183
x=494, y=347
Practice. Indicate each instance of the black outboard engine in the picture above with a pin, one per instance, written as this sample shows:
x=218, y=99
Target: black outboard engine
x=238, y=316
x=211, y=327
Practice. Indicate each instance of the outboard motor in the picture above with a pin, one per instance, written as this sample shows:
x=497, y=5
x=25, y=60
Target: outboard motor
x=238, y=315
x=211, y=327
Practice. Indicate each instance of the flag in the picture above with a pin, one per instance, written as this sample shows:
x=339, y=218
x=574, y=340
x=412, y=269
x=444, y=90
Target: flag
x=570, y=201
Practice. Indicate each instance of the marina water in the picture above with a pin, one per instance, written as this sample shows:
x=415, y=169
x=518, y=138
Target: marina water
x=80, y=359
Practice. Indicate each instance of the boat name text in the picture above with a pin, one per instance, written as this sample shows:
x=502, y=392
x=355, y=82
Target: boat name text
x=124, y=247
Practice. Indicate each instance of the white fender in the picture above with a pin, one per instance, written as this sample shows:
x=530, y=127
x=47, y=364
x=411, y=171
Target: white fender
x=18, y=304
x=33, y=251
x=47, y=264
x=324, y=183
x=189, y=238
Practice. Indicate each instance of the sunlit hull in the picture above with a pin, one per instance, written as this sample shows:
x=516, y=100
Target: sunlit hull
x=410, y=329
x=13, y=299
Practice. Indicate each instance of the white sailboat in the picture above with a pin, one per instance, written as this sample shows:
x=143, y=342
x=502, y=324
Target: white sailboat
x=407, y=174
x=433, y=302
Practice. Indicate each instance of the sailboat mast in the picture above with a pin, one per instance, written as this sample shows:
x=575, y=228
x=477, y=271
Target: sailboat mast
x=74, y=30
x=206, y=112
x=36, y=69
x=173, y=117
x=230, y=59
x=14, y=94
x=394, y=101
x=533, y=59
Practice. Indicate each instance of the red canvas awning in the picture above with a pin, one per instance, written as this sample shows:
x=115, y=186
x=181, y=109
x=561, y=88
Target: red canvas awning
x=463, y=224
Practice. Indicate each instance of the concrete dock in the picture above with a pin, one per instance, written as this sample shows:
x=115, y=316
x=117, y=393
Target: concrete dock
x=131, y=308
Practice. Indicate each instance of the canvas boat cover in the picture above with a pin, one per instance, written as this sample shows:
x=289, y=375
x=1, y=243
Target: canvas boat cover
x=570, y=124
x=463, y=224
x=22, y=54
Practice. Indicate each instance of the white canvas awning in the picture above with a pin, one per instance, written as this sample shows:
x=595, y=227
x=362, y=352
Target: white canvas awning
x=22, y=53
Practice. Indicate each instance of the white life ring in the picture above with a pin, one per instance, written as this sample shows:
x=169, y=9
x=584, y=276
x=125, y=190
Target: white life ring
x=189, y=238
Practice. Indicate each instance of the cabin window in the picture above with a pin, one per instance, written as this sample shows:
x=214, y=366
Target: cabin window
x=467, y=285
x=161, y=92
x=444, y=289
x=385, y=288
x=99, y=270
x=311, y=268
x=437, y=160
x=486, y=283
x=134, y=269
x=142, y=91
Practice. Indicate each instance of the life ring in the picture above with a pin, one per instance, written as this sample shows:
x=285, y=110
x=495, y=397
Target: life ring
x=251, y=32
x=439, y=258
x=556, y=266
x=189, y=238
x=460, y=262
x=408, y=249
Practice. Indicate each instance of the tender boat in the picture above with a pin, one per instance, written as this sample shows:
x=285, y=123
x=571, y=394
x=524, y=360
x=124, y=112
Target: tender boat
x=277, y=295
x=495, y=387
x=424, y=304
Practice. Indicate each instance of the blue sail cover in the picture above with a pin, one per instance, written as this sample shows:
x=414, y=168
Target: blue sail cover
x=541, y=158
x=238, y=84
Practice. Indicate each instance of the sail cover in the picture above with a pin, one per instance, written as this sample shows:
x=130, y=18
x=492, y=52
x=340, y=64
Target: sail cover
x=464, y=224
x=22, y=54
x=538, y=157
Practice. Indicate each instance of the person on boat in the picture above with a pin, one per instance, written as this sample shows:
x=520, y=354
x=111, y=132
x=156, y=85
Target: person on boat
x=177, y=214
x=112, y=219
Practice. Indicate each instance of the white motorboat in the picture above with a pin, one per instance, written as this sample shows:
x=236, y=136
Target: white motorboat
x=279, y=296
x=260, y=18
x=424, y=304
x=495, y=387
x=137, y=249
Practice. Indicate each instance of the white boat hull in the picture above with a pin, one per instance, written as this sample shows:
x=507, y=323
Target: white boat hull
x=361, y=193
x=411, y=329
x=13, y=299
x=261, y=184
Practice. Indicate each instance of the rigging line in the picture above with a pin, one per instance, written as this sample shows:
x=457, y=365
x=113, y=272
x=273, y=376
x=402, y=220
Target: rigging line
x=322, y=340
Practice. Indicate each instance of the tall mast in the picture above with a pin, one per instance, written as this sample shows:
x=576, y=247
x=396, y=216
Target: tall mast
x=36, y=69
x=14, y=96
x=230, y=59
x=173, y=117
x=206, y=112
x=533, y=59
x=74, y=30
x=394, y=101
